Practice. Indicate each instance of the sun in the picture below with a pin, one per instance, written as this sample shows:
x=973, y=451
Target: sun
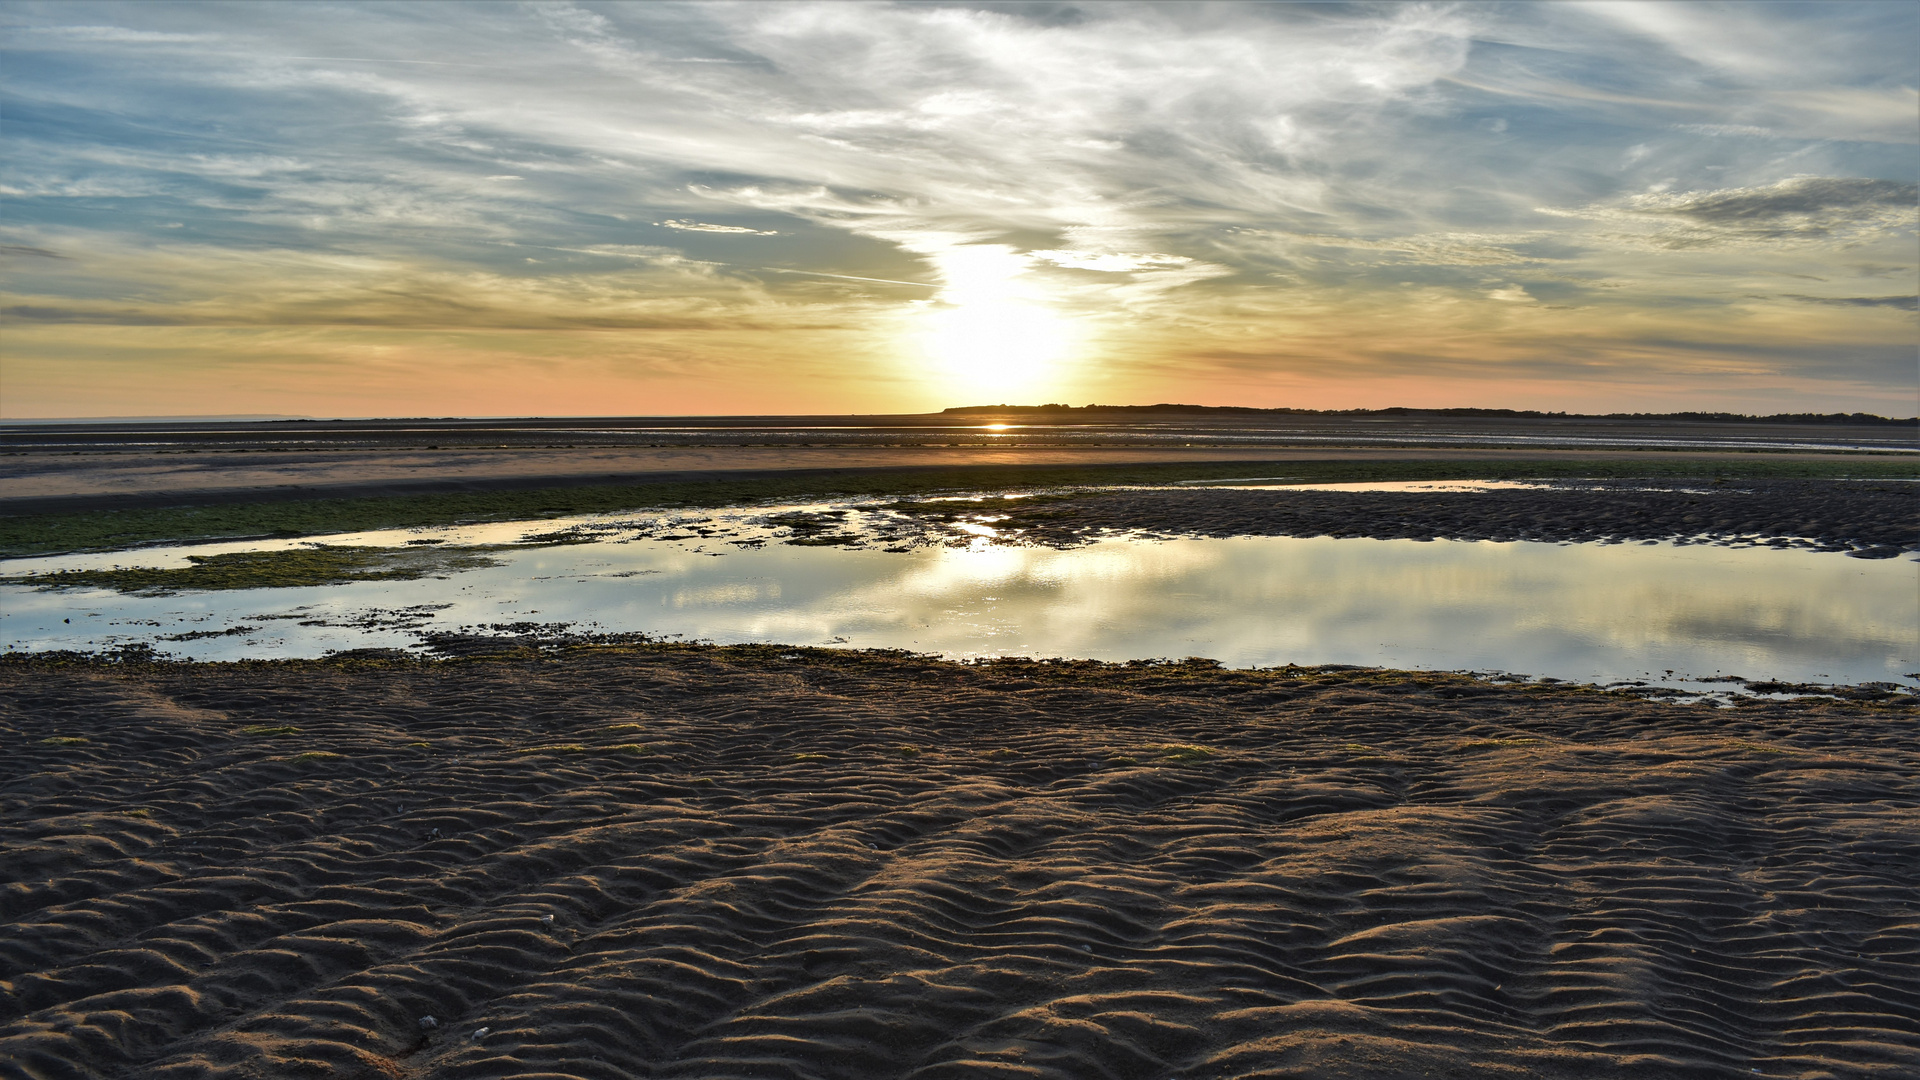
x=991, y=331
x=1002, y=347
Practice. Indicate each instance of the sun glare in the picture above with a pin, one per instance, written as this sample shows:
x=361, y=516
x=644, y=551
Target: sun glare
x=1002, y=347
x=988, y=333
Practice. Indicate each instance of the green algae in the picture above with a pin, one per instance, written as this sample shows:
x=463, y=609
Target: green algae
x=317, y=564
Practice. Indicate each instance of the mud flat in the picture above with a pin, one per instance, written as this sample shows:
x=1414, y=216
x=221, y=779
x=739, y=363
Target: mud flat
x=1874, y=519
x=634, y=860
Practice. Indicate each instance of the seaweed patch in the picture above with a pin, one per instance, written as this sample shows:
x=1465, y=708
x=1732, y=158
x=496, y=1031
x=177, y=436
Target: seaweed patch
x=319, y=564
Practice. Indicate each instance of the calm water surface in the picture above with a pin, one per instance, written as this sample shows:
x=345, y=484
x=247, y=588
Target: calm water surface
x=1660, y=613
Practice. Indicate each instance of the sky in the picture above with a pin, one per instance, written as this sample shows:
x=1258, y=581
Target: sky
x=576, y=208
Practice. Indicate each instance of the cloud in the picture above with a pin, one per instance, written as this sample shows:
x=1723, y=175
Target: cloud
x=1800, y=209
x=1120, y=262
x=846, y=277
x=649, y=252
x=114, y=34
x=1909, y=303
x=1445, y=249
x=1725, y=129
x=701, y=226
x=607, y=286
x=1889, y=114
x=95, y=316
x=1814, y=205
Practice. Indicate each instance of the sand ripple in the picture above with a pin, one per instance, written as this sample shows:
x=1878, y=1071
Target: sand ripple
x=716, y=863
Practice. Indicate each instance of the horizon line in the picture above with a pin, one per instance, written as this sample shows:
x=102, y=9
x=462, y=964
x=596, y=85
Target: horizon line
x=974, y=409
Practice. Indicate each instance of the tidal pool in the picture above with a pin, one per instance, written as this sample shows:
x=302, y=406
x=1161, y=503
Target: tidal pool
x=1657, y=613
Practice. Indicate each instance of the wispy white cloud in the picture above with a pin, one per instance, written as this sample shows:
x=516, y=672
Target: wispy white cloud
x=110, y=35
x=682, y=225
x=1726, y=129
x=1118, y=262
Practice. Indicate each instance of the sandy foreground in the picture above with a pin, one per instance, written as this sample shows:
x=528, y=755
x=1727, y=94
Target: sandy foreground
x=758, y=862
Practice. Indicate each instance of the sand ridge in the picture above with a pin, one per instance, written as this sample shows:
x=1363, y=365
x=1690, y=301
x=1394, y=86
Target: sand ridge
x=753, y=861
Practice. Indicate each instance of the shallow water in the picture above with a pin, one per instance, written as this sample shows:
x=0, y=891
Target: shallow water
x=1659, y=613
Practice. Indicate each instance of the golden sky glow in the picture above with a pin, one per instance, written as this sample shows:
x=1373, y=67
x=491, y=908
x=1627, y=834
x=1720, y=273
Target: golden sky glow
x=581, y=208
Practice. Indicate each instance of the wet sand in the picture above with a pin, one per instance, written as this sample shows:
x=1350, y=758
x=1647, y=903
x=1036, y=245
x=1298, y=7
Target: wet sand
x=49, y=468
x=51, y=484
x=1872, y=519
x=1866, y=518
x=693, y=862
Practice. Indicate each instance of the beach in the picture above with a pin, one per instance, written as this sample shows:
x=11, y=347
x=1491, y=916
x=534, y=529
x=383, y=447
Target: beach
x=962, y=540
x=646, y=860
x=543, y=852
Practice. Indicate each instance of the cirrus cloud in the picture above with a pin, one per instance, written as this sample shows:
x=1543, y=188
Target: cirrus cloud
x=1341, y=200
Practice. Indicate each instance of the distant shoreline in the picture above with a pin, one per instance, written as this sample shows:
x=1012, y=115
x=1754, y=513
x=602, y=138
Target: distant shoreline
x=1170, y=409
x=974, y=411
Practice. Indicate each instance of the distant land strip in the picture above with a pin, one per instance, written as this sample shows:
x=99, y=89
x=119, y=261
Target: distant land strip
x=971, y=411
x=1526, y=414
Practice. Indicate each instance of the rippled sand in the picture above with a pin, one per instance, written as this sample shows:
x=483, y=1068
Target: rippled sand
x=752, y=862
